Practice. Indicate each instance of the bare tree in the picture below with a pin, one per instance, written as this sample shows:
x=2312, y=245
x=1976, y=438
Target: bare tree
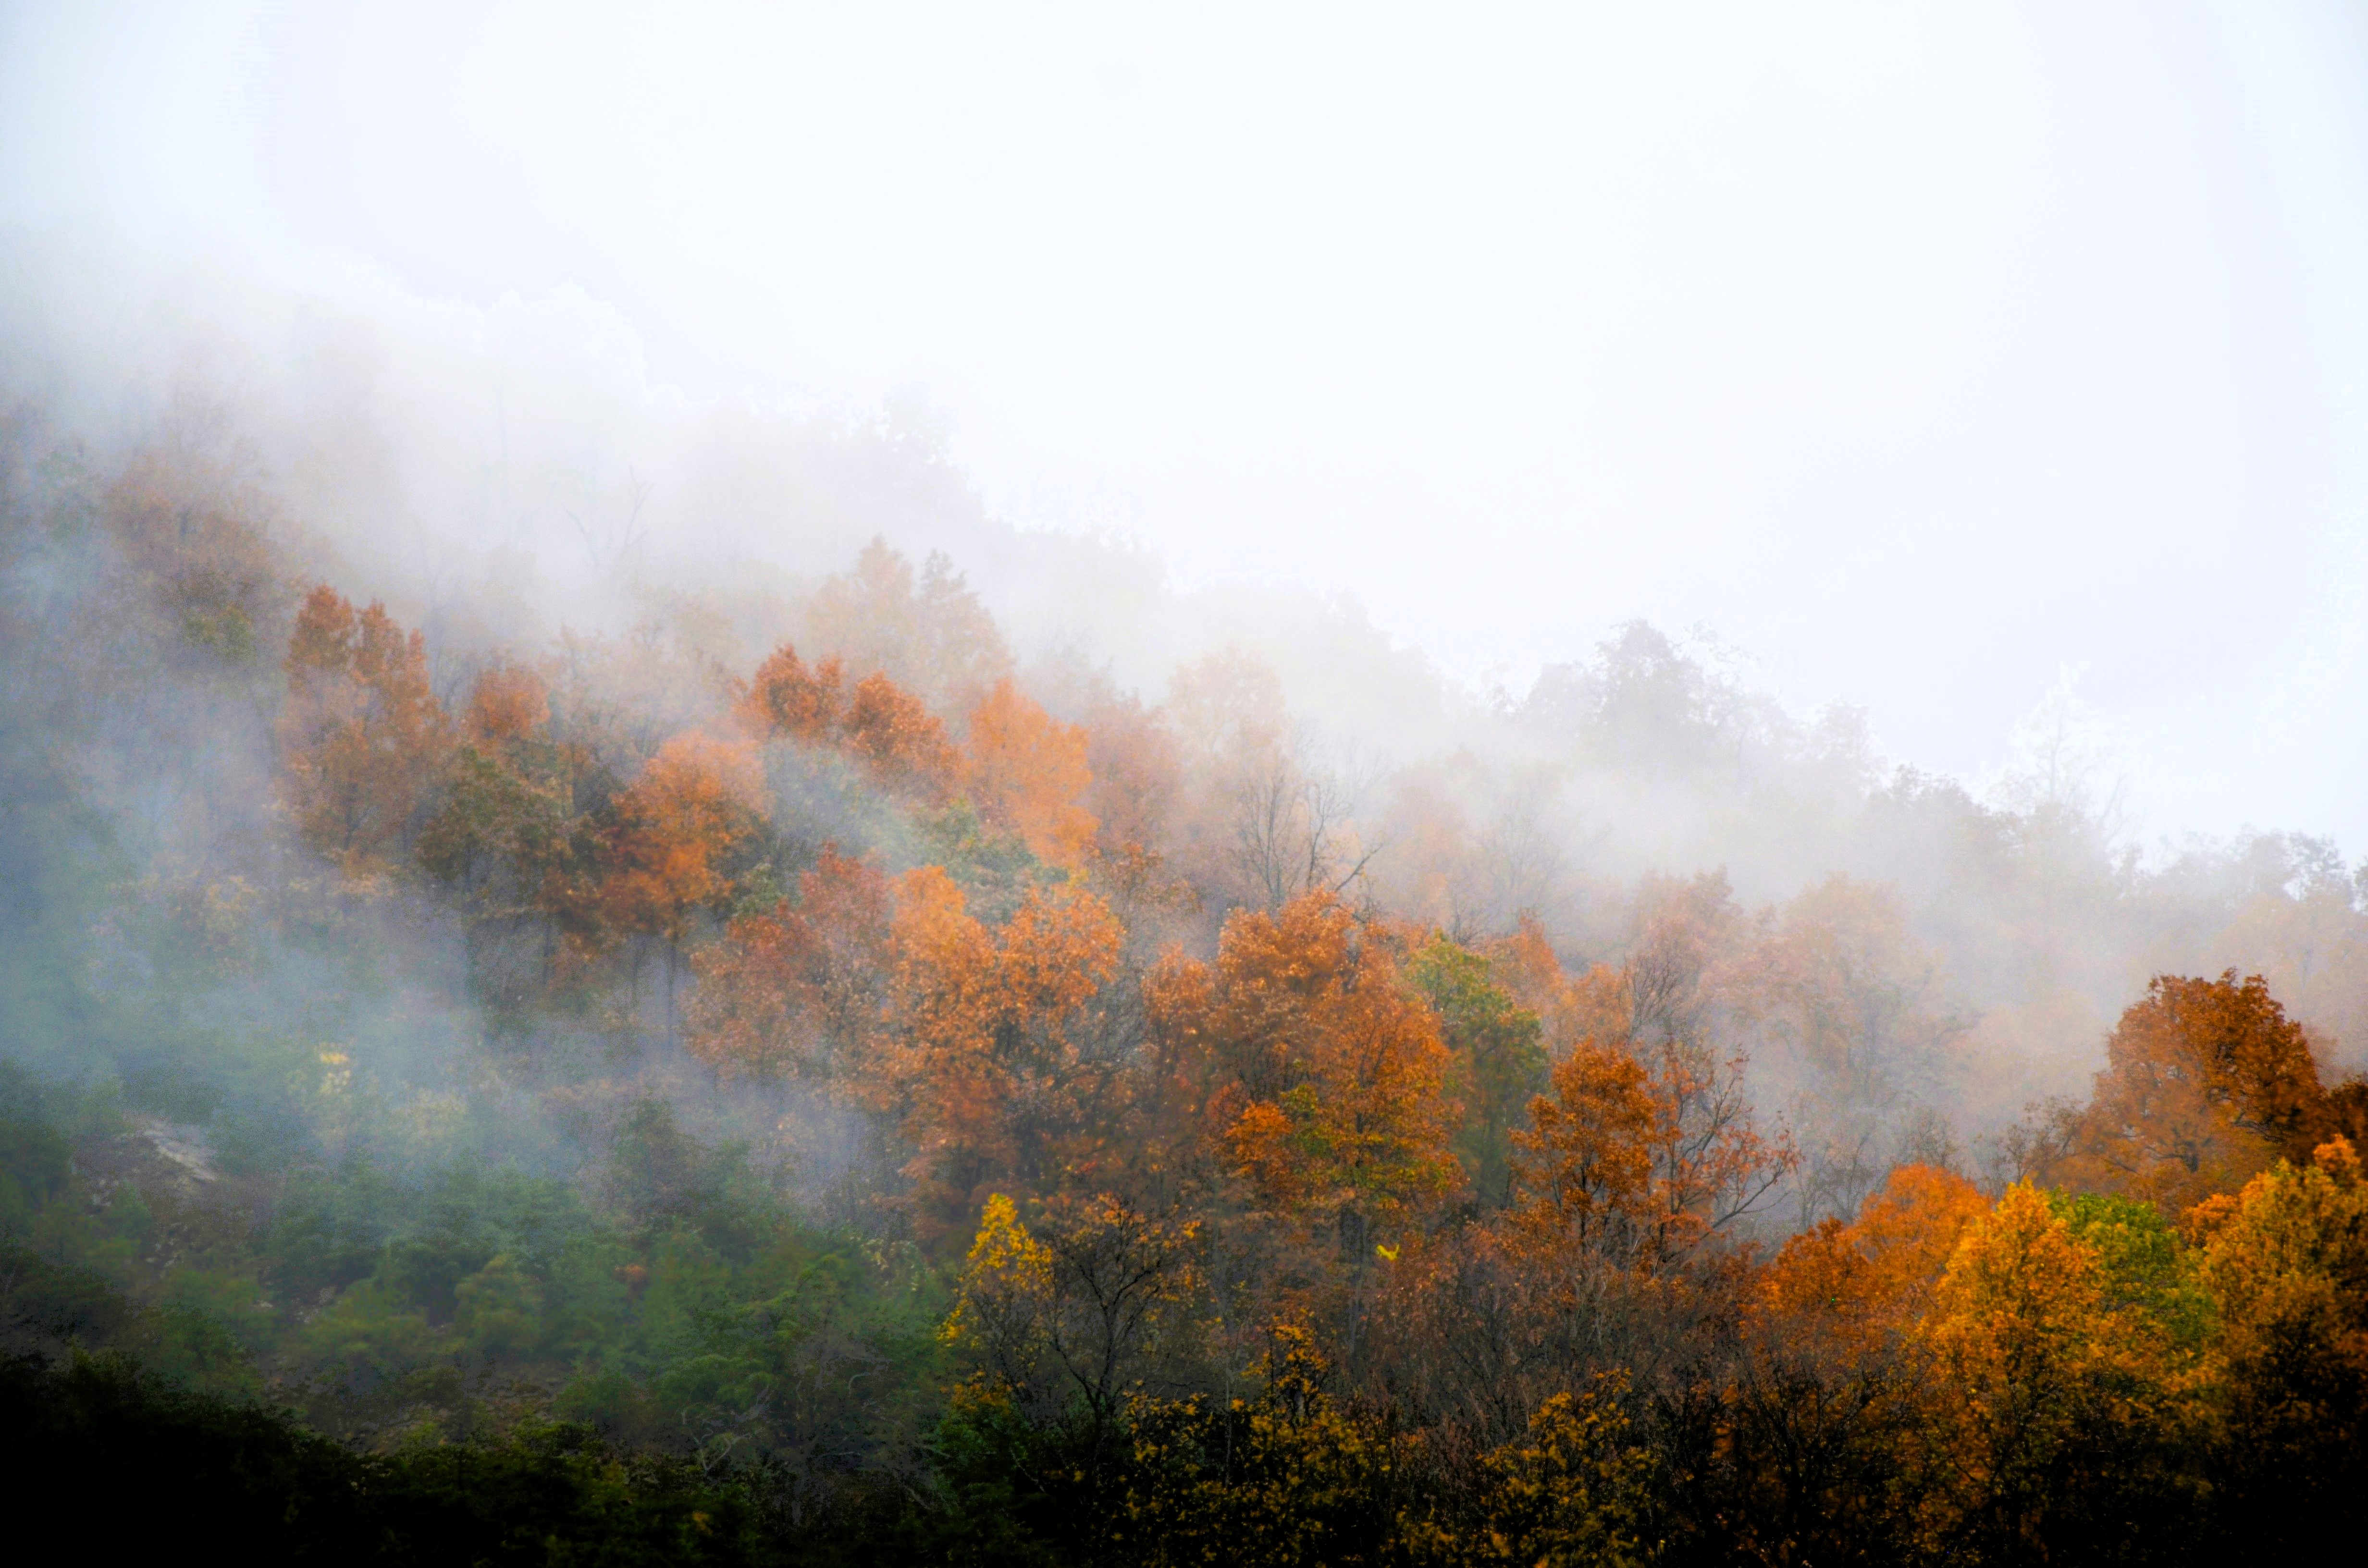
x=1294, y=827
x=609, y=541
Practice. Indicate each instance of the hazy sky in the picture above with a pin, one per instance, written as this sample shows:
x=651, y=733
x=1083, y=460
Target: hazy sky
x=1926, y=352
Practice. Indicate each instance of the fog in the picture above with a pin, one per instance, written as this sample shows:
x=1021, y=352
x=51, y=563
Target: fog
x=1931, y=360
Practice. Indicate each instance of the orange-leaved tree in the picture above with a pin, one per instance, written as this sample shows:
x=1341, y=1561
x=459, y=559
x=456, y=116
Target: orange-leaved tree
x=786, y=698
x=1866, y=1281
x=1311, y=1068
x=1027, y=773
x=904, y=744
x=2205, y=1083
x=666, y=848
x=2036, y=1354
x=362, y=738
x=1583, y=1170
x=501, y=832
x=799, y=991
x=876, y=723
x=507, y=703
x=1137, y=773
x=1595, y=1006
x=996, y=1071
x=1637, y=1159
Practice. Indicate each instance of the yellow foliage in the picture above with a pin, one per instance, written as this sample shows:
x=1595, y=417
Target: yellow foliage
x=1008, y=1275
x=2286, y=1263
x=2027, y=1355
x=1573, y=1489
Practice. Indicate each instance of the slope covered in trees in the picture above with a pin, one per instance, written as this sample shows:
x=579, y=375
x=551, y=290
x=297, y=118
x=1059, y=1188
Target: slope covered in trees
x=887, y=1093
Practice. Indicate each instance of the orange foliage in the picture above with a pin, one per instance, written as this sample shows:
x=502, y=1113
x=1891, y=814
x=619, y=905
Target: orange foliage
x=993, y=1073
x=1028, y=773
x=1318, y=1072
x=2028, y=1348
x=508, y=704
x=1910, y=1230
x=1872, y=1279
x=1585, y=1172
x=2286, y=1263
x=887, y=728
x=672, y=829
x=786, y=698
x=2205, y=1083
x=902, y=741
x=927, y=631
x=1593, y=1006
x=362, y=737
x=798, y=991
x=1637, y=1159
x=192, y=534
x=1136, y=772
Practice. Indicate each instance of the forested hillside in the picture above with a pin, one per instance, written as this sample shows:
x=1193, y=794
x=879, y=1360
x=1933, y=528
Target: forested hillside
x=800, y=1070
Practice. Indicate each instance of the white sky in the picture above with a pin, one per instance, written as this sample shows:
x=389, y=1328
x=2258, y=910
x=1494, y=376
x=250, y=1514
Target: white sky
x=1925, y=352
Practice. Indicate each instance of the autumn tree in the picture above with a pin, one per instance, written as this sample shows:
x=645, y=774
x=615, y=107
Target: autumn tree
x=1431, y=875
x=507, y=703
x=1840, y=1001
x=785, y=698
x=996, y=1071
x=1027, y=772
x=1583, y=1173
x=1137, y=770
x=1668, y=1004
x=1594, y=1006
x=1311, y=1068
x=1682, y=930
x=189, y=532
x=1867, y=1282
x=502, y=820
x=880, y=725
x=1636, y=1162
x=2049, y=1369
x=1265, y=823
x=1076, y=1307
x=2285, y=1261
x=925, y=631
x=362, y=737
x=2205, y=1083
x=799, y=991
x=666, y=848
x=1577, y=1487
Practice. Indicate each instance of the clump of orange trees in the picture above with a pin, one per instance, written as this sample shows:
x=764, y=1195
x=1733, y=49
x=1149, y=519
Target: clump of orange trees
x=1295, y=1232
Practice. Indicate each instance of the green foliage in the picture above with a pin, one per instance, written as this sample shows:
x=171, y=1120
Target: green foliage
x=34, y=1162
x=207, y=1469
x=1498, y=1052
x=492, y=816
x=995, y=870
x=2146, y=1267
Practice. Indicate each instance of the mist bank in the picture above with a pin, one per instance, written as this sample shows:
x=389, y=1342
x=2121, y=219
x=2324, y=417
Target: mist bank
x=529, y=900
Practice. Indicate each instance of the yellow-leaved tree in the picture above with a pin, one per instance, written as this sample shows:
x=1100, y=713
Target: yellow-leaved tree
x=2049, y=1363
x=2286, y=1263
